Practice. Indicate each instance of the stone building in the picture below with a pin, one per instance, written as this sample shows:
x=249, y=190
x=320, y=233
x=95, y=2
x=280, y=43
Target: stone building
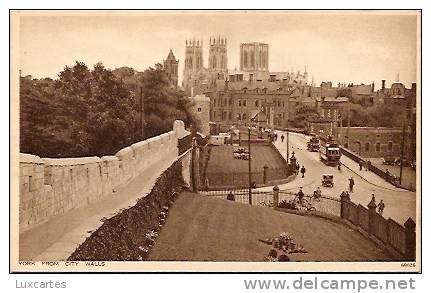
x=235, y=102
x=372, y=142
x=201, y=109
x=170, y=66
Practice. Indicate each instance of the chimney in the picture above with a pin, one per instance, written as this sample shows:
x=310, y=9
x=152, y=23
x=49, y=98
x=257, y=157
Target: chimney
x=372, y=87
x=383, y=84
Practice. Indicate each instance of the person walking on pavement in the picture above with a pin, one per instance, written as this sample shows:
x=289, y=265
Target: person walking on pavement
x=381, y=207
x=230, y=196
x=297, y=168
x=351, y=184
x=300, y=195
x=303, y=171
x=317, y=193
x=360, y=165
x=339, y=166
x=282, y=137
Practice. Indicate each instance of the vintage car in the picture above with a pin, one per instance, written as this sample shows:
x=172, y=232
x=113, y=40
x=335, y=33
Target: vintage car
x=328, y=180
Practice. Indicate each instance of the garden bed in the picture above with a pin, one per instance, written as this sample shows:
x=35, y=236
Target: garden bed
x=131, y=234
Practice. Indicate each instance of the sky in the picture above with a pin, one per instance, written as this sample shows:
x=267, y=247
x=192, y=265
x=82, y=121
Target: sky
x=358, y=48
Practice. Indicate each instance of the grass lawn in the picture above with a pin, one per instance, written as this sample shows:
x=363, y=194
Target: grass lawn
x=224, y=170
x=201, y=228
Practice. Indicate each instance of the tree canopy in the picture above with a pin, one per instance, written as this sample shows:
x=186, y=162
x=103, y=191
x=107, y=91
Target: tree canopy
x=88, y=112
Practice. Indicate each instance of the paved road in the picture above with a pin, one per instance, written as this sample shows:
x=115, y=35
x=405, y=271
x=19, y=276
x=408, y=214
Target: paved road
x=400, y=204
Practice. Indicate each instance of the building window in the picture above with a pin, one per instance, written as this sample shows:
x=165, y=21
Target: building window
x=244, y=117
x=238, y=117
x=256, y=103
x=390, y=146
x=199, y=109
x=367, y=146
x=244, y=103
x=230, y=116
x=378, y=147
x=239, y=103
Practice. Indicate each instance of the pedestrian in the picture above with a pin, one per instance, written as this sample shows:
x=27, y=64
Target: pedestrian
x=351, y=184
x=388, y=175
x=207, y=184
x=303, y=171
x=360, y=165
x=339, y=166
x=300, y=195
x=317, y=193
x=369, y=165
x=381, y=207
x=297, y=168
x=282, y=137
x=276, y=136
x=230, y=196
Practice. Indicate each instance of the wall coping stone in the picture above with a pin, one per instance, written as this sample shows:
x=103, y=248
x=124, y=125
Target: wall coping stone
x=29, y=158
x=124, y=151
x=71, y=161
x=139, y=144
x=109, y=158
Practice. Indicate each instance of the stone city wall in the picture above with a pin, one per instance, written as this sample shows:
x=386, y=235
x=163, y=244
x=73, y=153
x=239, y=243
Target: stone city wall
x=49, y=187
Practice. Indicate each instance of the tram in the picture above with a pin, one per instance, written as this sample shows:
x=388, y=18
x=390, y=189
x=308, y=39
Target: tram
x=329, y=151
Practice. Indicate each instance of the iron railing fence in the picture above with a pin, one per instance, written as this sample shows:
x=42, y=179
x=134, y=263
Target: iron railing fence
x=286, y=199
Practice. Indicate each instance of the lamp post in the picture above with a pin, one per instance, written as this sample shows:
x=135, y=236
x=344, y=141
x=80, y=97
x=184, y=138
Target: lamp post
x=249, y=165
x=287, y=141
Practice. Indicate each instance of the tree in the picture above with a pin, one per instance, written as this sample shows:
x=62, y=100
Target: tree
x=303, y=114
x=96, y=112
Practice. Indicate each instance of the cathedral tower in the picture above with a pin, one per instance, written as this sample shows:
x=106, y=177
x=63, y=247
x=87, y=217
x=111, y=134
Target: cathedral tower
x=194, y=58
x=217, y=60
x=254, y=57
x=170, y=66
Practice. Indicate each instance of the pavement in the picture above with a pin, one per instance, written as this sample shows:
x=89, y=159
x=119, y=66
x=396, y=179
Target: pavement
x=400, y=204
x=58, y=238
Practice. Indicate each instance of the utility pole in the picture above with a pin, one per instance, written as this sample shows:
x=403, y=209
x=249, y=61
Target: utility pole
x=287, y=139
x=249, y=165
x=402, y=152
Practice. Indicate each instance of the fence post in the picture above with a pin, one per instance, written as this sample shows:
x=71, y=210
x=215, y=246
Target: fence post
x=345, y=198
x=410, y=241
x=371, y=213
x=265, y=174
x=275, y=190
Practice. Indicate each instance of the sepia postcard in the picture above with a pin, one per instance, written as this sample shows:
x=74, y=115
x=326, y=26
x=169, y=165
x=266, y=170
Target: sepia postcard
x=215, y=141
